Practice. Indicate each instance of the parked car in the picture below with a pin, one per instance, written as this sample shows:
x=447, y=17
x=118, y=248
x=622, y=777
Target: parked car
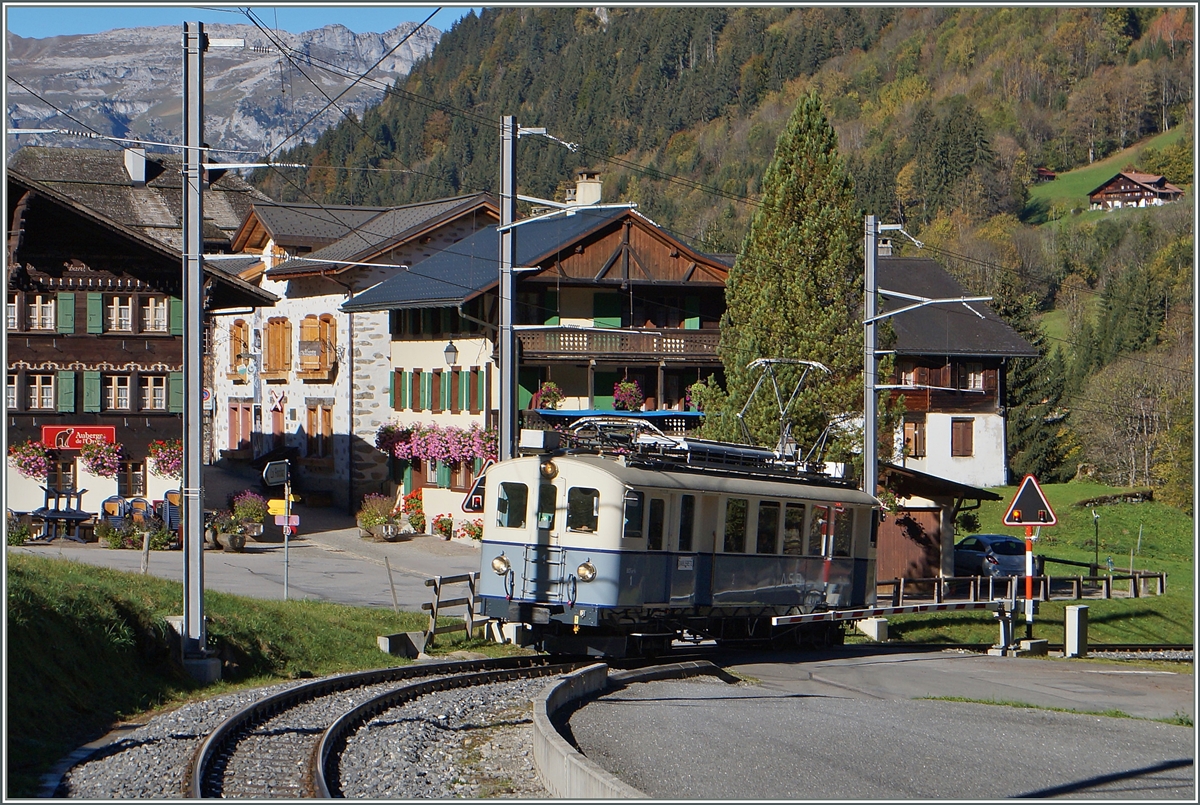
x=995, y=555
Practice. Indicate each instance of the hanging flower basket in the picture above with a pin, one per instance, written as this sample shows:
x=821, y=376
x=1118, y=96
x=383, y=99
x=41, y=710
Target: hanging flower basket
x=101, y=458
x=548, y=396
x=166, y=458
x=432, y=442
x=31, y=458
x=627, y=396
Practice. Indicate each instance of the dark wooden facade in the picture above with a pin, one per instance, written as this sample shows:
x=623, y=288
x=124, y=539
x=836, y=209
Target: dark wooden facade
x=1129, y=189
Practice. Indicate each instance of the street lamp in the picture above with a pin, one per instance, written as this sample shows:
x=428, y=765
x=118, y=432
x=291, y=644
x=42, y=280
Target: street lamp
x=451, y=353
x=1096, y=543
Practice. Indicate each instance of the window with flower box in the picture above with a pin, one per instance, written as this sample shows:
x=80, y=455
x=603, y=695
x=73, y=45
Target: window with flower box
x=154, y=392
x=120, y=314
x=154, y=315
x=239, y=348
x=41, y=392
x=116, y=393
x=41, y=312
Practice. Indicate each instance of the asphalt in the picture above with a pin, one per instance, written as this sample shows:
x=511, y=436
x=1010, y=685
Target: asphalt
x=327, y=560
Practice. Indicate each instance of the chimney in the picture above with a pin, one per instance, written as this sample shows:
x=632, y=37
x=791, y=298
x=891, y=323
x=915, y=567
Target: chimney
x=587, y=187
x=885, y=247
x=135, y=165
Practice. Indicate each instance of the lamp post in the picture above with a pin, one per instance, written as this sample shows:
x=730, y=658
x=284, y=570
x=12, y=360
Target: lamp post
x=1096, y=543
x=451, y=353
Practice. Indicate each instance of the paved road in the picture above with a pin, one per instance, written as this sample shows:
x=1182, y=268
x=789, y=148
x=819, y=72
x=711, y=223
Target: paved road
x=707, y=740
x=327, y=561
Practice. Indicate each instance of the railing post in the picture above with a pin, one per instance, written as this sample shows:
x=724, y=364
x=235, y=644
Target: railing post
x=896, y=592
x=1077, y=587
x=1107, y=587
x=900, y=595
x=1162, y=583
x=973, y=588
x=938, y=590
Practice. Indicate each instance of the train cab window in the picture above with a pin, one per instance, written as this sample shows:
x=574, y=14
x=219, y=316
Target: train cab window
x=843, y=531
x=583, y=508
x=547, y=500
x=511, y=505
x=818, y=531
x=768, y=526
x=735, y=525
x=635, y=504
x=687, y=521
x=654, y=525
x=793, y=529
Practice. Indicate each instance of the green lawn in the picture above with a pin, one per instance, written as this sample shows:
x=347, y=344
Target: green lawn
x=1167, y=545
x=88, y=647
x=1070, y=190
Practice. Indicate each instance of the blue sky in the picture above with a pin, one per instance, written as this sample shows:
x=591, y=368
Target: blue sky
x=41, y=20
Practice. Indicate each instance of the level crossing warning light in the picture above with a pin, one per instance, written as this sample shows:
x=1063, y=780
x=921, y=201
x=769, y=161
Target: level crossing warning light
x=1029, y=506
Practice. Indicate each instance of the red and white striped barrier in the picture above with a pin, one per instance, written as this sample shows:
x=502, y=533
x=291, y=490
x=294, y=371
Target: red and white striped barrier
x=878, y=612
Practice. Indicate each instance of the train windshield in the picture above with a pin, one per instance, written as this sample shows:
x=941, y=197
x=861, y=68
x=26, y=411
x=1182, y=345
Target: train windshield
x=547, y=500
x=583, y=508
x=511, y=504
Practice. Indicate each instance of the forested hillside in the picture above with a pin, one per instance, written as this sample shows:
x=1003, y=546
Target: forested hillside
x=942, y=116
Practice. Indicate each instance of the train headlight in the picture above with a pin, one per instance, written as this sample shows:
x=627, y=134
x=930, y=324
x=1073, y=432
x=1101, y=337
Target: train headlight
x=501, y=565
x=586, y=571
x=549, y=469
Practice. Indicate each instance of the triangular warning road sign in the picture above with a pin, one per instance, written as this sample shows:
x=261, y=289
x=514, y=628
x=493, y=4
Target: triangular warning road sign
x=1029, y=507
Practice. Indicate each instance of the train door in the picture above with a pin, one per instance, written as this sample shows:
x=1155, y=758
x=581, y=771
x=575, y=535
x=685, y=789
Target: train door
x=705, y=546
x=681, y=561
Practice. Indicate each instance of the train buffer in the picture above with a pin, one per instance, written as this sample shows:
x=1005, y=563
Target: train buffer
x=413, y=644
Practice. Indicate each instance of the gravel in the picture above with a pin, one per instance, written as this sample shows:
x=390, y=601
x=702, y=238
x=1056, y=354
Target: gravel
x=466, y=742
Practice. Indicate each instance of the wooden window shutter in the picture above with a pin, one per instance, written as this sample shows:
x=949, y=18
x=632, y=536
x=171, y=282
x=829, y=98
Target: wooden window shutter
x=922, y=376
x=95, y=312
x=989, y=379
x=443, y=475
x=436, y=394
x=414, y=385
x=473, y=391
x=66, y=391
x=392, y=390
x=66, y=313
x=962, y=437
x=310, y=348
x=327, y=421
x=176, y=315
x=426, y=386
x=91, y=392
x=328, y=335
x=175, y=392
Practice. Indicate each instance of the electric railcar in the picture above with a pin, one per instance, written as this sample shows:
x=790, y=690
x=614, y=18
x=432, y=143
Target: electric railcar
x=613, y=554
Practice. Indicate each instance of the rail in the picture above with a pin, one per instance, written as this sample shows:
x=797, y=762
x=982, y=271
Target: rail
x=1046, y=587
x=667, y=344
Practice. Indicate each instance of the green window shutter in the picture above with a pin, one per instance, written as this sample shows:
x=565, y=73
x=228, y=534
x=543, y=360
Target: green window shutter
x=408, y=477
x=91, y=391
x=176, y=316
x=392, y=390
x=606, y=310
x=66, y=313
x=95, y=312
x=66, y=392
x=175, y=392
x=443, y=475
x=426, y=391
x=464, y=390
x=483, y=389
x=447, y=390
x=551, y=311
x=405, y=389
x=691, y=305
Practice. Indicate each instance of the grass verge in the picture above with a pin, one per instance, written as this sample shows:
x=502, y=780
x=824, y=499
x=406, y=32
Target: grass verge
x=1179, y=719
x=90, y=647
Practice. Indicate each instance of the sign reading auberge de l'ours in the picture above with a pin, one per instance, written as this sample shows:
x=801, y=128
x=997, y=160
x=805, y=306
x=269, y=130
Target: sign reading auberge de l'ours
x=73, y=437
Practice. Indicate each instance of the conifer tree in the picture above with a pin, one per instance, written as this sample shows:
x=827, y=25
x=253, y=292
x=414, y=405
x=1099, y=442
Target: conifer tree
x=796, y=288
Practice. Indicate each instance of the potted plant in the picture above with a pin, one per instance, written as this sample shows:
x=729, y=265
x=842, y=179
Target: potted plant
x=471, y=529
x=230, y=533
x=249, y=509
x=375, y=517
x=166, y=458
x=548, y=396
x=443, y=526
x=101, y=458
x=627, y=395
x=414, y=510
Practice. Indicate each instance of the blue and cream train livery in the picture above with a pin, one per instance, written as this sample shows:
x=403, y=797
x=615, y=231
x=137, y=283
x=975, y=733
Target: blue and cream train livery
x=622, y=546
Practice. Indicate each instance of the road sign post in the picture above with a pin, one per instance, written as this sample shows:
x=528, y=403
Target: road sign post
x=1029, y=508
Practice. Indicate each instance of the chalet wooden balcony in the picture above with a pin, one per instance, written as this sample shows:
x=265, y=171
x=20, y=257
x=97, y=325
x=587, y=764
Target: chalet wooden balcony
x=573, y=343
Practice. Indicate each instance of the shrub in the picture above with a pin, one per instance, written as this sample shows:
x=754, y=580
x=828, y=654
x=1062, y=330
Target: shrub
x=443, y=525
x=18, y=533
x=375, y=510
x=249, y=507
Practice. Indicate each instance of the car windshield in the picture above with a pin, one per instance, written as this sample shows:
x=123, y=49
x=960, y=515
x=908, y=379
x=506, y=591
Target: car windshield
x=1007, y=547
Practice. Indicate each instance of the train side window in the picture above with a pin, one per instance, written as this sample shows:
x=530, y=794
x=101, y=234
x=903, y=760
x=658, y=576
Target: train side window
x=793, y=529
x=843, y=531
x=635, y=505
x=547, y=500
x=735, y=525
x=583, y=508
x=768, y=526
x=511, y=505
x=654, y=526
x=687, y=521
x=818, y=531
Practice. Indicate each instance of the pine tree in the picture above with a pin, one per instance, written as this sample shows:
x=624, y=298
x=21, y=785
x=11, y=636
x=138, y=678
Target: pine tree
x=796, y=289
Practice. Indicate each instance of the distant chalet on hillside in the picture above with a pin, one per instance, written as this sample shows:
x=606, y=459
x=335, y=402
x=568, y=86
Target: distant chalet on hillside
x=1130, y=189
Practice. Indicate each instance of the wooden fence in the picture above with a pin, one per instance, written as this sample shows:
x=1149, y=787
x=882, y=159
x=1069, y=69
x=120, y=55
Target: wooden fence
x=1045, y=588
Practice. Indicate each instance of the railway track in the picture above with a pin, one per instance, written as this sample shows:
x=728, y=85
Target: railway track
x=287, y=744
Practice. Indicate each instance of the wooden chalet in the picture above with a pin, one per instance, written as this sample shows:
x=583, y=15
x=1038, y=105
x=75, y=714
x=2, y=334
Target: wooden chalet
x=1130, y=189
x=94, y=310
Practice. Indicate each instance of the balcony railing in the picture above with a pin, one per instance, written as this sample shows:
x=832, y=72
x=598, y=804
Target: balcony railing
x=574, y=342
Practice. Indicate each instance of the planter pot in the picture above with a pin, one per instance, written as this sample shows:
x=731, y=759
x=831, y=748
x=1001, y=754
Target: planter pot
x=233, y=542
x=389, y=532
x=253, y=530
